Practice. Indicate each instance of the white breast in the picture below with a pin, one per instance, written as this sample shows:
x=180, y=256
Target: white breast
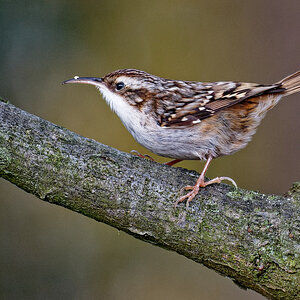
x=130, y=117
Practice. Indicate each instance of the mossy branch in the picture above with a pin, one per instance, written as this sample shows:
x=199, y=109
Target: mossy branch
x=247, y=236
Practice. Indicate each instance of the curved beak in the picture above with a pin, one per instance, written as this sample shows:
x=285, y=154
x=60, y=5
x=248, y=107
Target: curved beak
x=86, y=80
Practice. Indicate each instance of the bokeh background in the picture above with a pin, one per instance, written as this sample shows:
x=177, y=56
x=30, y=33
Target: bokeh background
x=47, y=252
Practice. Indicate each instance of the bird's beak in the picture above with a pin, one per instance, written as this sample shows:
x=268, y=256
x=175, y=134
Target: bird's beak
x=86, y=80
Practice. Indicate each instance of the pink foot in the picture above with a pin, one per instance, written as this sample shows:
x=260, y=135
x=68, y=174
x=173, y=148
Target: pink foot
x=195, y=189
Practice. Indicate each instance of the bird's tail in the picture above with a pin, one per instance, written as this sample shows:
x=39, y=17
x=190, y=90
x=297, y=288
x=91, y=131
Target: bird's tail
x=291, y=84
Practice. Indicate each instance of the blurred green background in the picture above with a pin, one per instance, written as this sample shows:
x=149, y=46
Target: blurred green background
x=47, y=252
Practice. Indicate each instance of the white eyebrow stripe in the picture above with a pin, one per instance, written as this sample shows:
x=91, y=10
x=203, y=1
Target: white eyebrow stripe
x=129, y=81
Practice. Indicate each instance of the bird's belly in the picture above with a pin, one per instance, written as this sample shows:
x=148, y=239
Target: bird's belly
x=222, y=134
x=168, y=142
x=175, y=143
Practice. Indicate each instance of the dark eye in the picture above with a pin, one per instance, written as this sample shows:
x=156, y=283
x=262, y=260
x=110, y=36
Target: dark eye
x=120, y=85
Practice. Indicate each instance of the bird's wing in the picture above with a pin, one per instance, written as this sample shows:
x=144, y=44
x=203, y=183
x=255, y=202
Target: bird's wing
x=208, y=100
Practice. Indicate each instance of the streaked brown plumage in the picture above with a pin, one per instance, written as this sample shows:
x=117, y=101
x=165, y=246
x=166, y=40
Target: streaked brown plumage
x=188, y=119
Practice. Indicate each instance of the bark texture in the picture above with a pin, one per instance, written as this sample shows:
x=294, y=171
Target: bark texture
x=250, y=237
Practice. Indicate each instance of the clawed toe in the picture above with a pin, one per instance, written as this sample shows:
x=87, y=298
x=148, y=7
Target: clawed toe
x=195, y=189
x=189, y=196
x=201, y=183
x=141, y=155
x=229, y=179
x=219, y=180
x=181, y=199
x=185, y=188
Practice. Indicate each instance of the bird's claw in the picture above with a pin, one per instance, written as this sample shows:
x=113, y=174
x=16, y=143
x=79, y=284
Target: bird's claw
x=146, y=156
x=195, y=189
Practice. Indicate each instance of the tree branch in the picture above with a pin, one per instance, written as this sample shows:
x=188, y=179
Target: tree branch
x=250, y=237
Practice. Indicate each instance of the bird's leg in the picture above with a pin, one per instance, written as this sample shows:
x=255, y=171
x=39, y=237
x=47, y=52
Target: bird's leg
x=173, y=162
x=201, y=183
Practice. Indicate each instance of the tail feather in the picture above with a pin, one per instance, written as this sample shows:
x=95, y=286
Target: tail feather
x=291, y=84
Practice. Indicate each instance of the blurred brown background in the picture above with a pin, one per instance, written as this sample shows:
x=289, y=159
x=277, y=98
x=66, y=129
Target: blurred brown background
x=47, y=252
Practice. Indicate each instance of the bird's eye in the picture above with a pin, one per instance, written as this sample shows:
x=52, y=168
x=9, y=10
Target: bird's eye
x=120, y=85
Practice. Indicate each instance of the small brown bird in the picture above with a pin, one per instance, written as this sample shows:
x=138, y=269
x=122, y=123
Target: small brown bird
x=188, y=119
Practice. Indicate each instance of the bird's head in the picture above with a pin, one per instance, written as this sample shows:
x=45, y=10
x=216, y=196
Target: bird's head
x=123, y=87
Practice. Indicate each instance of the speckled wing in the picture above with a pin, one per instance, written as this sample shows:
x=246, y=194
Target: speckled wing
x=206, y=99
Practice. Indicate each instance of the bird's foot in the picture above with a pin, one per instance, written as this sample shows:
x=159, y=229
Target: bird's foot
x=170, y=163
x=146, y=156
x=195, y=189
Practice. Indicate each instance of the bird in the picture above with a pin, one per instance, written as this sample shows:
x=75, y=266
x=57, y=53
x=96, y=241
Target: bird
x=189, y=120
